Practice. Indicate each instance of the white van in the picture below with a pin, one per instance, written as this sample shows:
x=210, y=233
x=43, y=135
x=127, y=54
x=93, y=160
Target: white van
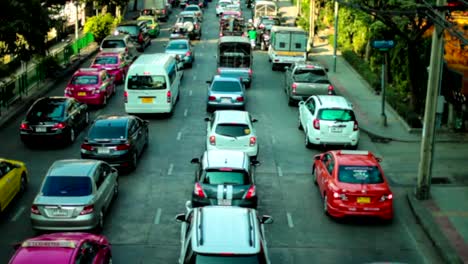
x=152, y=84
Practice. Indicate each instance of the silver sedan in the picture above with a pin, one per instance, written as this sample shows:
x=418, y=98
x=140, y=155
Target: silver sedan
x=74, y=195
x=225, y=93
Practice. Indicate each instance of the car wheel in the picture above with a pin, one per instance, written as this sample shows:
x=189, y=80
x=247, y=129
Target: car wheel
x=325, y=204
x=299, y=126
x=116, y=189
x=87, y=118
x=307, y=142
x=134, y=161
x=314, y=175
x=72, y=136
x=24, y=183
x=291, y=102
x=273, y=67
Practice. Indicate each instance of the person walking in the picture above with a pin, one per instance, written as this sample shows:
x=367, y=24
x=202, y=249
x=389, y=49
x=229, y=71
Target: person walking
x=252, y=36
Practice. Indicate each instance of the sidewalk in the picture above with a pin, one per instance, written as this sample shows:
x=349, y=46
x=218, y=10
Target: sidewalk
x=444, y=217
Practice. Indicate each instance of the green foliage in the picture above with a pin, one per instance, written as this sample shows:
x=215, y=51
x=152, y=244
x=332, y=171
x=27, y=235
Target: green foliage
x=50, y=64
x=362, y=68
x=100, y=26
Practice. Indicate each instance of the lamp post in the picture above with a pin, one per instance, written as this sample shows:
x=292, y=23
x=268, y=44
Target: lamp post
x=76, y=18
x=335, y=41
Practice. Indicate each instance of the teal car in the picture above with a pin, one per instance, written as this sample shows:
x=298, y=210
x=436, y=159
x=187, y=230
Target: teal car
x=153, y=25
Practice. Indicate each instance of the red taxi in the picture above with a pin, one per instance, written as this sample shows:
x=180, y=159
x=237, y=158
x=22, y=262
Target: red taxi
x=352, y=183
x=91, y=86
x=63, y=248
x=115, y=63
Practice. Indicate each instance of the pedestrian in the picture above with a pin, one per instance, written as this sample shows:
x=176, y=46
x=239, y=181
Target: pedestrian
x=252, y=36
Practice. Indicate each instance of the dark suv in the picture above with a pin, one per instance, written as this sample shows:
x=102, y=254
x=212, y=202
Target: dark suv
x=138, y=31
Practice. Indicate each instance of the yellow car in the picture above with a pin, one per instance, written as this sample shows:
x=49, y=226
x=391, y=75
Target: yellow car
x=13, y=181
x=153, y=26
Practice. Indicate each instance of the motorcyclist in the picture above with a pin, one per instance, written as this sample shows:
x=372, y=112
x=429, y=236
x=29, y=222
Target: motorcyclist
x=252, y=36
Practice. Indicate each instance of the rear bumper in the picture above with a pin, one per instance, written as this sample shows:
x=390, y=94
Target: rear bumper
x=157, y=109
x=81, y=222
x=350, y=140
x=385, y=211
x=96, y=99
x=249, y=203
x=31, y=137
x=214, y=106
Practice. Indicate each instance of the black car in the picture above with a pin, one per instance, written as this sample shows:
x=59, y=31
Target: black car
x=57, y=118
x=138, y=31
x=118, y=140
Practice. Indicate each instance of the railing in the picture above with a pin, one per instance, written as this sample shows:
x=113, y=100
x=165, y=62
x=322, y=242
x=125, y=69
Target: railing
x=26, y=79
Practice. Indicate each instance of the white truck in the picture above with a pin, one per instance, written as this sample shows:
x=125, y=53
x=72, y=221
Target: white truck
x=287, y=45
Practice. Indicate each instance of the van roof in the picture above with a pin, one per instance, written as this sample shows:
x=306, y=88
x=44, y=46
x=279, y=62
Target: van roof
x=234, y=39
x=290, y=29
x=155, y=58
x=265, y=3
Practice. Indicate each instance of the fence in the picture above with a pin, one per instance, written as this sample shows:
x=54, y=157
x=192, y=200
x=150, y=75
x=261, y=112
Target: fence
x=26, y=79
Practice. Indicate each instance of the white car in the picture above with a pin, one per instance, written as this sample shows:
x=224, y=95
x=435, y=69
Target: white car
x=221, y=5
x=328, y=120
x=195, y=9
x=232, y=130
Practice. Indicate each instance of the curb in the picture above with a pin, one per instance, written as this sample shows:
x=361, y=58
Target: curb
x=433, y=231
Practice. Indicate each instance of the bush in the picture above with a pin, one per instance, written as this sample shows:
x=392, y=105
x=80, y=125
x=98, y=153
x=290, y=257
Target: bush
x=100, y=26
x=362, y=67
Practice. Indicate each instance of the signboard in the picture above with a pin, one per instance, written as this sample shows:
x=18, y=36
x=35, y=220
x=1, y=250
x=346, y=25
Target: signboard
x=383, y=44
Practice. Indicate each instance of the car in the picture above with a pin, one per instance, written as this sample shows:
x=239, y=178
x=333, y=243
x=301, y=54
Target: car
x=200, y=3
x=220, y=6
x=116, y=139
x=75, y=194
x=93, y=86
x=232, y=130
x=225, y=177
x=119, y=43
x=225, y=92
x=55, y=118
x=63, y=248
x=190, y=23
x=152, y=12
x=223, y=234
x=183, y=3
x=266, y=22
x=195, y=9
x=153, y=26
x=13, y=181
x=303, y=79
x=138, y=31
x=352, y=183
x=183, y=49
x=328, y=120
x=233, y=8
x=115, y=63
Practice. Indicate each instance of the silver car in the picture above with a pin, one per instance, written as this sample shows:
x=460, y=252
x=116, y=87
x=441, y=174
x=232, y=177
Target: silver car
x=225, y=93
x=183, y=49
x=74, y=195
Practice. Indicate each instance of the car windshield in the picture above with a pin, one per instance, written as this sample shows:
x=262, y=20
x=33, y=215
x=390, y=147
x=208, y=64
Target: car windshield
x=84, y=79
x=359, y=174
x=132, y=30
x=106, y=60
x=146, y=82
x=226, y=86
x=105, y=130
x=267, y=21
x=343, y=115
x=231, y=259
x=191, y=8
x=177, y=46
x=112, y=44
x=52, y=111
x=67, y=186
x=226, y=176
x=233, y=130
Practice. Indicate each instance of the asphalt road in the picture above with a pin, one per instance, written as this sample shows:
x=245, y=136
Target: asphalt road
x=141, y=223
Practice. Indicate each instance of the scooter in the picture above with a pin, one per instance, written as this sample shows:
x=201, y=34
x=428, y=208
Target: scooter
x=265, y=40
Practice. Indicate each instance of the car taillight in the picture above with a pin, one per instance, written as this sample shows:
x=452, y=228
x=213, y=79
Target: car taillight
x=316, y=123
x=58, y=126
x=35, y=210
x=87, y=209
x=331, y=89
x=197, y=26
x=355, y=126
x=212, y=140
x=126, y=49
x=25, y=126
x=253, y=141
x=164, y=11
x=250, y=192
x=125, y=97
x=220, y=34
x=240, y=99
x=140, y=38
x=386, y=197
x=218, y=70
x=169, y=96
x=97, y=90
x=250, y=72
x=211, y=98
x=200, y=4
x=293, y=87
x=87, y=147
x=125, y=146
x=341, y=196
x=188, y=53
x=198, y=191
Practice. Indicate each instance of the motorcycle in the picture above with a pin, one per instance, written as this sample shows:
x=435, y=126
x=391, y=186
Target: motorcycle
x=265, y=40
x=250, y=3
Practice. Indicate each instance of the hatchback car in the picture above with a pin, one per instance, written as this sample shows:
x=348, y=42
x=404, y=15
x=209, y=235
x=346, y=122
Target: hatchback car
x=115, y=63
x=153, y=26
x=328, y=120
x=118, y=140
x=225, y=177
x=183, y=49
x=138, y=31
x=119, y=43
x=92, y=86
x=63, y=248
x=13, y=181
x=225, y=92
x=352, y=183
x=232, y=130
x=56, y=118
x=74, y=195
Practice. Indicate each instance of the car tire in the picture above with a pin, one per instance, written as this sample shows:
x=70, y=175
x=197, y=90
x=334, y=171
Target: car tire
x=291, y=102
x=273, y=67
x=299, y=126
x=134, y=161
x=307, y=142
x=72, y=136
x=325, y=204
x=190, y=65
x=314, y=175
x=24, y=183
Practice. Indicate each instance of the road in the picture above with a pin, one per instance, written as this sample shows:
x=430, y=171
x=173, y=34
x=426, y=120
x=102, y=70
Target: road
x=141, y=225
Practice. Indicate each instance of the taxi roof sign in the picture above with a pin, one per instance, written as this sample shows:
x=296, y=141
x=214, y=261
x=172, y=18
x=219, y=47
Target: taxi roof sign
x=354, y=152
x=51, y=244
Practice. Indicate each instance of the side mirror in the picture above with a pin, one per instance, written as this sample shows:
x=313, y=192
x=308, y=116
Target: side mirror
x=301, y=102
x=266, y=219
x=255, y=162
x=254, y=120
x=207, y=119
x=195, y=161
x=317, y=157
x=146, y=122
x=208, y=82
x=180, y=218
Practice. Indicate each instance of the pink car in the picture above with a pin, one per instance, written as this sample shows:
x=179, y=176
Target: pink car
x=116, y=64
x=91, y=86
x=63, y=248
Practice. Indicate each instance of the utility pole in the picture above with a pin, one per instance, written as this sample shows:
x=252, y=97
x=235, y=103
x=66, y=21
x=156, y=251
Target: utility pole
x=298, y=6
x=427, y=144
x=335, y=41
x=311, y=23
x=77, y=3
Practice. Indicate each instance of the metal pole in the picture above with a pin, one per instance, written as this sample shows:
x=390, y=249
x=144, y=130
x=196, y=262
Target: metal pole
x=383, y=85
x=427, y=144
x=335, y=44
x=311, y=23
x=76, y=20
x=298, y=6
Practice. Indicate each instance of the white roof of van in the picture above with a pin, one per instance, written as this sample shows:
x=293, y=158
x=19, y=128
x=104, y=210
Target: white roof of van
x=155, y=58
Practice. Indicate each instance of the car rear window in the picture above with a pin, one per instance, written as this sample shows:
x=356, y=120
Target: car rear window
x=191, y=8
x=317, y=72
x=106, y=60
x=106, y=130
x=132, y=30
x=84, y=79
x=177, y=46
x=226, y=176
x=267, y=21
x=233, y=130
x=67, y=186
x=113, y=44
x=231, y=259
x=226, y=86
x=52, y=111
x=342, y=115
x=187, y=19
x=146, y=82
x=359, y=174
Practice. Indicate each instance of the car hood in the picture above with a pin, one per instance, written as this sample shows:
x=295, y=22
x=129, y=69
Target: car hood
x=63, y=200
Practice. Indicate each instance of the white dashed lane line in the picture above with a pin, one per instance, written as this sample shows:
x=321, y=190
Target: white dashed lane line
x=190, y=93
x=18, y=214
x=171, y=168
x=290, y=220
x=280, y=172
x=185, y=112
x=179, y=135
x=273, y=140
x=157, y=217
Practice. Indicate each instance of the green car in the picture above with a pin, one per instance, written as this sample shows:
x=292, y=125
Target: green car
x=153, y=26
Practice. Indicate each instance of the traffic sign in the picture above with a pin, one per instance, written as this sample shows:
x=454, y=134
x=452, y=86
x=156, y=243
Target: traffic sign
x=383, y=44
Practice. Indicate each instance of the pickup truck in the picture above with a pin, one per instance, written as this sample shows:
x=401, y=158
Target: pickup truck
x=235, y=58
x=303, y=79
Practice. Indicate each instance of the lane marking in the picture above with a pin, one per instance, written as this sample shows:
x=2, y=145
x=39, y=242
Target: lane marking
x=185, y=112
x=18, y=214
x=194, y=77
x=290, y=220
x=280, y=172
x=157, y=218
x=179, y=135
x=190, y=93
x=171, y=168
x=273, y=139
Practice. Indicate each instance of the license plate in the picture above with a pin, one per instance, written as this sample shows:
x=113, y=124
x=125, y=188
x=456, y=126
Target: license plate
x=41, y=129
x=225, y=100
x=82, y=94
x=336, y=129
x=224, y=202
x=103, y=150
x=363, y=199
x=147, y=100
x=59, y=212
